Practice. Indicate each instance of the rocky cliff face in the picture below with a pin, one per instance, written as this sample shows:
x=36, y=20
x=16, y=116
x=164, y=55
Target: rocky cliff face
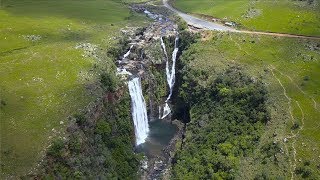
x=149, y=56
x=146, y=58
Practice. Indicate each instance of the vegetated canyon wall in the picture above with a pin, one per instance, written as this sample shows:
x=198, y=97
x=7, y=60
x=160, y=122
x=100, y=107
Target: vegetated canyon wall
x=99, y=141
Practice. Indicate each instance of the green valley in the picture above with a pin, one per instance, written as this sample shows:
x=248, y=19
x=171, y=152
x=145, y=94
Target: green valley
x=180, y=89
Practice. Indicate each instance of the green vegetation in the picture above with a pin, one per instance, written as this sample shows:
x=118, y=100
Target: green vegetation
x=108, y=82
x=227, y=119
x=289, y=69
x=100, y=148
x=252, y=101
x=44, y=77
x=290, y=16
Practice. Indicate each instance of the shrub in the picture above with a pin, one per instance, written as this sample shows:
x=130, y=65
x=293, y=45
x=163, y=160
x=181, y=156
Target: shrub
x=262, y=176
x=78, y=175
x=295, y=126
x=306, y=163
x=304, y=171
x=108, y=82
x=55, y=149
x=80, y=119
x=103, y=128
x=3, y=103
x=74, y=144
x=182, y=25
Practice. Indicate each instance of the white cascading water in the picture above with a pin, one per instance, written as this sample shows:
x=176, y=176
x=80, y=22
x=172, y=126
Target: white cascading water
x=166, y=110
x=170, y=75
x=139, y=111
x=138, y=105
x=164, y=48
x=128, y=53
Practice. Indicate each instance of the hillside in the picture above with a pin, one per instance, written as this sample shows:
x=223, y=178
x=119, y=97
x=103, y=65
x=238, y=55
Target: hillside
x=217, y=78
x=136, y=89
x=289, y=16
x=51, y=56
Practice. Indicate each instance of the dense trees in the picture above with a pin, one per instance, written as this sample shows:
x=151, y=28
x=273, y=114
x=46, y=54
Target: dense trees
x=227, y=118
x=99, y=143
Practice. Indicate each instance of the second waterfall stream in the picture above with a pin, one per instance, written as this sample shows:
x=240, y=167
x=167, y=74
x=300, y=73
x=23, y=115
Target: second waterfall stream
x=171, y=75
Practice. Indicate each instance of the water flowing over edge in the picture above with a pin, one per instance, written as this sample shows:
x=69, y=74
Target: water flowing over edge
x=138, y=105
x=164, y=48
x=139, y=111
x=126, y=54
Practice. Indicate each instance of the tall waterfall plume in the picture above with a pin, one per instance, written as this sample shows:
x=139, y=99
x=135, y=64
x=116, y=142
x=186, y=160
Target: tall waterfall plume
x=139, y=111
x=138, y=105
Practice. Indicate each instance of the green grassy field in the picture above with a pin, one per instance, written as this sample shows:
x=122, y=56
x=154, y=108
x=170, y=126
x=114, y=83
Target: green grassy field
x=295, y=17
x=290, y=69
x=44, y=78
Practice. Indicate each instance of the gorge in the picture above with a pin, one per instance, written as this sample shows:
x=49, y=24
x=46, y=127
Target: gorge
x=159, y=89
x=153, y=133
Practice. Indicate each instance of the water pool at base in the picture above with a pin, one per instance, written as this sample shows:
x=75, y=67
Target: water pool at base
x=160, y=134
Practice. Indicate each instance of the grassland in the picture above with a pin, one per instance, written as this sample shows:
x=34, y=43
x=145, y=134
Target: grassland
x=290, y=68
x=43, y=78
x=289, y=16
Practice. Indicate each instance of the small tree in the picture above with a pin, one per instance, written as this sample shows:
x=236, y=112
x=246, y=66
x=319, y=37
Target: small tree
x=108, y=82
x=55, y=149
x=103, y=128
x=80, y=119
x=295, y=126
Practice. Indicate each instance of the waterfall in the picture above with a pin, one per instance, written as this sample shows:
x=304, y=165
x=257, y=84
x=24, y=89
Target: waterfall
x=166, y=110
x=170, y=75
x=159, y=112
x=139, y=111
x=128, y=53
x=164, y=48
x=125, y=55
x=138, y=105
